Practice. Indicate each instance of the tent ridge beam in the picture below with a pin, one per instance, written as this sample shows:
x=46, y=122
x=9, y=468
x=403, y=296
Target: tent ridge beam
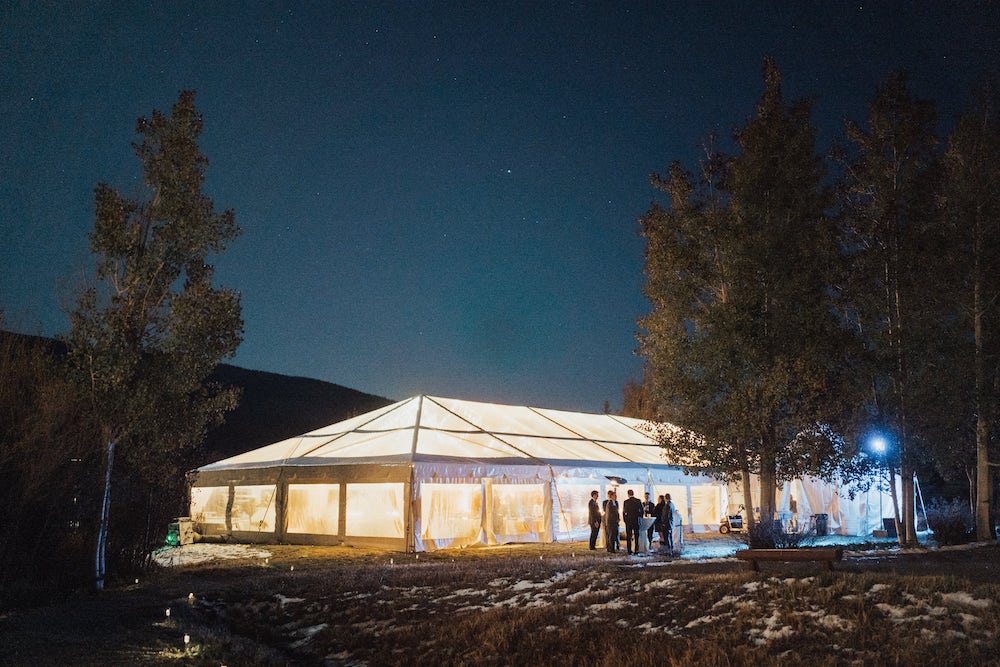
x=582, y=437
x=340, y=435
x=478, y=430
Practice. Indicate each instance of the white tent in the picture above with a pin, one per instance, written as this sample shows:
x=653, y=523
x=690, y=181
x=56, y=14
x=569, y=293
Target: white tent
x=427, y=473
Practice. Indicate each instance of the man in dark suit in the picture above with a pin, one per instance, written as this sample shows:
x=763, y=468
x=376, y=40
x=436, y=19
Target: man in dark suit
x=594, y=519
x=631, y=512
x=667, y=519
x=611, y=520
x=647, y=510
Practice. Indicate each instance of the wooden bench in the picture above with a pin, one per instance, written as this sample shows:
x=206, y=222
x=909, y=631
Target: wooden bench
x=754, y=556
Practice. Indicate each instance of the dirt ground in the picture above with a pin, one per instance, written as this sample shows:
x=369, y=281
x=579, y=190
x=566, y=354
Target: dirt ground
x=128, y=624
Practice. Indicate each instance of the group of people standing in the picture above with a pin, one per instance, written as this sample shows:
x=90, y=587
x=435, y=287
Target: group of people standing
x=608, y=517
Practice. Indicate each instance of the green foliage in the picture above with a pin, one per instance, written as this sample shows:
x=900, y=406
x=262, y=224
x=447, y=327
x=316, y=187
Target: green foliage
x=744, y=342
x=46, y=450
x=971, y=208
x=772, y=535
x=148, y=334
x=903, y=272
x=891, y=228
x=787, y=324
x=951, y=521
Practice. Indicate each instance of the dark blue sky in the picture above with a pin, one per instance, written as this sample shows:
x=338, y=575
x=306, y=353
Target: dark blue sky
x=435, y=198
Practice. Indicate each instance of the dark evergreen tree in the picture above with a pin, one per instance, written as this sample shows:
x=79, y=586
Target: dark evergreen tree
x=897, y=294
x=971, y=204
x=744, y=342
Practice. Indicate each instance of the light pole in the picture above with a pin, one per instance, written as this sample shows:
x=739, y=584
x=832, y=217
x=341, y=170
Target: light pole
x=879, y=445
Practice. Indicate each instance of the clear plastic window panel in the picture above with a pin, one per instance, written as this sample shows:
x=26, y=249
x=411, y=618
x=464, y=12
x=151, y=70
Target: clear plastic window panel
x=313, y=508
x=622, y=491
x=208, y=504
x=253, y=508
x=706, y=504
x=518, y=509
x=573, y=509
x=374, y=510
x=450, y=511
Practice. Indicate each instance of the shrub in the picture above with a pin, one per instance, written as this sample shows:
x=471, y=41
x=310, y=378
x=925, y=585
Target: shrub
x=951, y=521
x=771, y=535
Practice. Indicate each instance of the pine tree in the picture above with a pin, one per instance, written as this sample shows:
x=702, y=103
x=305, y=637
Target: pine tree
x=895, y=239
x=743, y=341
x=972, y=209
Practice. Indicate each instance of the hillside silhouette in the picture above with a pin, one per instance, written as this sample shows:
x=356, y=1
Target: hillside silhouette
x=272, y=406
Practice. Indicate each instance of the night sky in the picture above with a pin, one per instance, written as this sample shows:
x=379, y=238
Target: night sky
x=435, y=198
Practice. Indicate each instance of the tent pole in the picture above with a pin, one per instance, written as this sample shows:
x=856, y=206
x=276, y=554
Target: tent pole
x=553, y=524
x=916, y=483
x=411, y=533
x=408, y=517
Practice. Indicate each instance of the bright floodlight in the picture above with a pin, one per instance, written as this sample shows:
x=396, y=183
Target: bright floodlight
x=878, y=444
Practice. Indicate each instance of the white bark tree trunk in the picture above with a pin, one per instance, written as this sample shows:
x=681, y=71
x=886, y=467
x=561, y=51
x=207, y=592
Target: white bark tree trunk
x=102, y=530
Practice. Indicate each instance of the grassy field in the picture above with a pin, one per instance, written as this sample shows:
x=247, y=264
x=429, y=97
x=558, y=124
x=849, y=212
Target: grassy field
x=527, y=604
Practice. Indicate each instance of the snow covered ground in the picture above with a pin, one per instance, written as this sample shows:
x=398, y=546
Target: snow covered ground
x=696, y=547
x=192, y=554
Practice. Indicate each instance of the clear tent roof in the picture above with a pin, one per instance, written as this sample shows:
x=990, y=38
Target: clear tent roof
x=445, y=427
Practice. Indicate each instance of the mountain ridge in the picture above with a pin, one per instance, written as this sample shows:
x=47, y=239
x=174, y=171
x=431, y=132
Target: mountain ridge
x=272, y=406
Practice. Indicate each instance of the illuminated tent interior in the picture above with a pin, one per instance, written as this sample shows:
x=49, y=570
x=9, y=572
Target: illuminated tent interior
x=428, y=473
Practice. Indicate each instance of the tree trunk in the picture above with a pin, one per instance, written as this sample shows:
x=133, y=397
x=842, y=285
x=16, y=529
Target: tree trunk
x=102, y=529
x=984, y=531
x=748, y=498
x=970, y=476
x=984, y=485
x=891, y=473
x=768, y=477
x=909, y=532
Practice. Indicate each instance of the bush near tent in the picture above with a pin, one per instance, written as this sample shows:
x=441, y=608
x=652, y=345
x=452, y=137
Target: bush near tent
x=951, y=521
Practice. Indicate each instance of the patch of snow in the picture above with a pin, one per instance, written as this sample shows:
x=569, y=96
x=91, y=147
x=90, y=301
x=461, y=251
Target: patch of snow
x=969, y=621
x=894, y=613
x=661, y=583
x=754, y=586
x=963, y=598
x=611, y=604
x=773, y=629
x=930, y=635
x=307, y=635
x=835, y=622
x=460, y=593
x=701, y=620
x=579, y=594
x=726, y=599
x=876, y=588
x=203, y=552
x=537, y=602
x=282, y=600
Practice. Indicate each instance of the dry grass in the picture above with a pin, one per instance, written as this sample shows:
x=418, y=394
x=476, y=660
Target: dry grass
x=538, y=604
